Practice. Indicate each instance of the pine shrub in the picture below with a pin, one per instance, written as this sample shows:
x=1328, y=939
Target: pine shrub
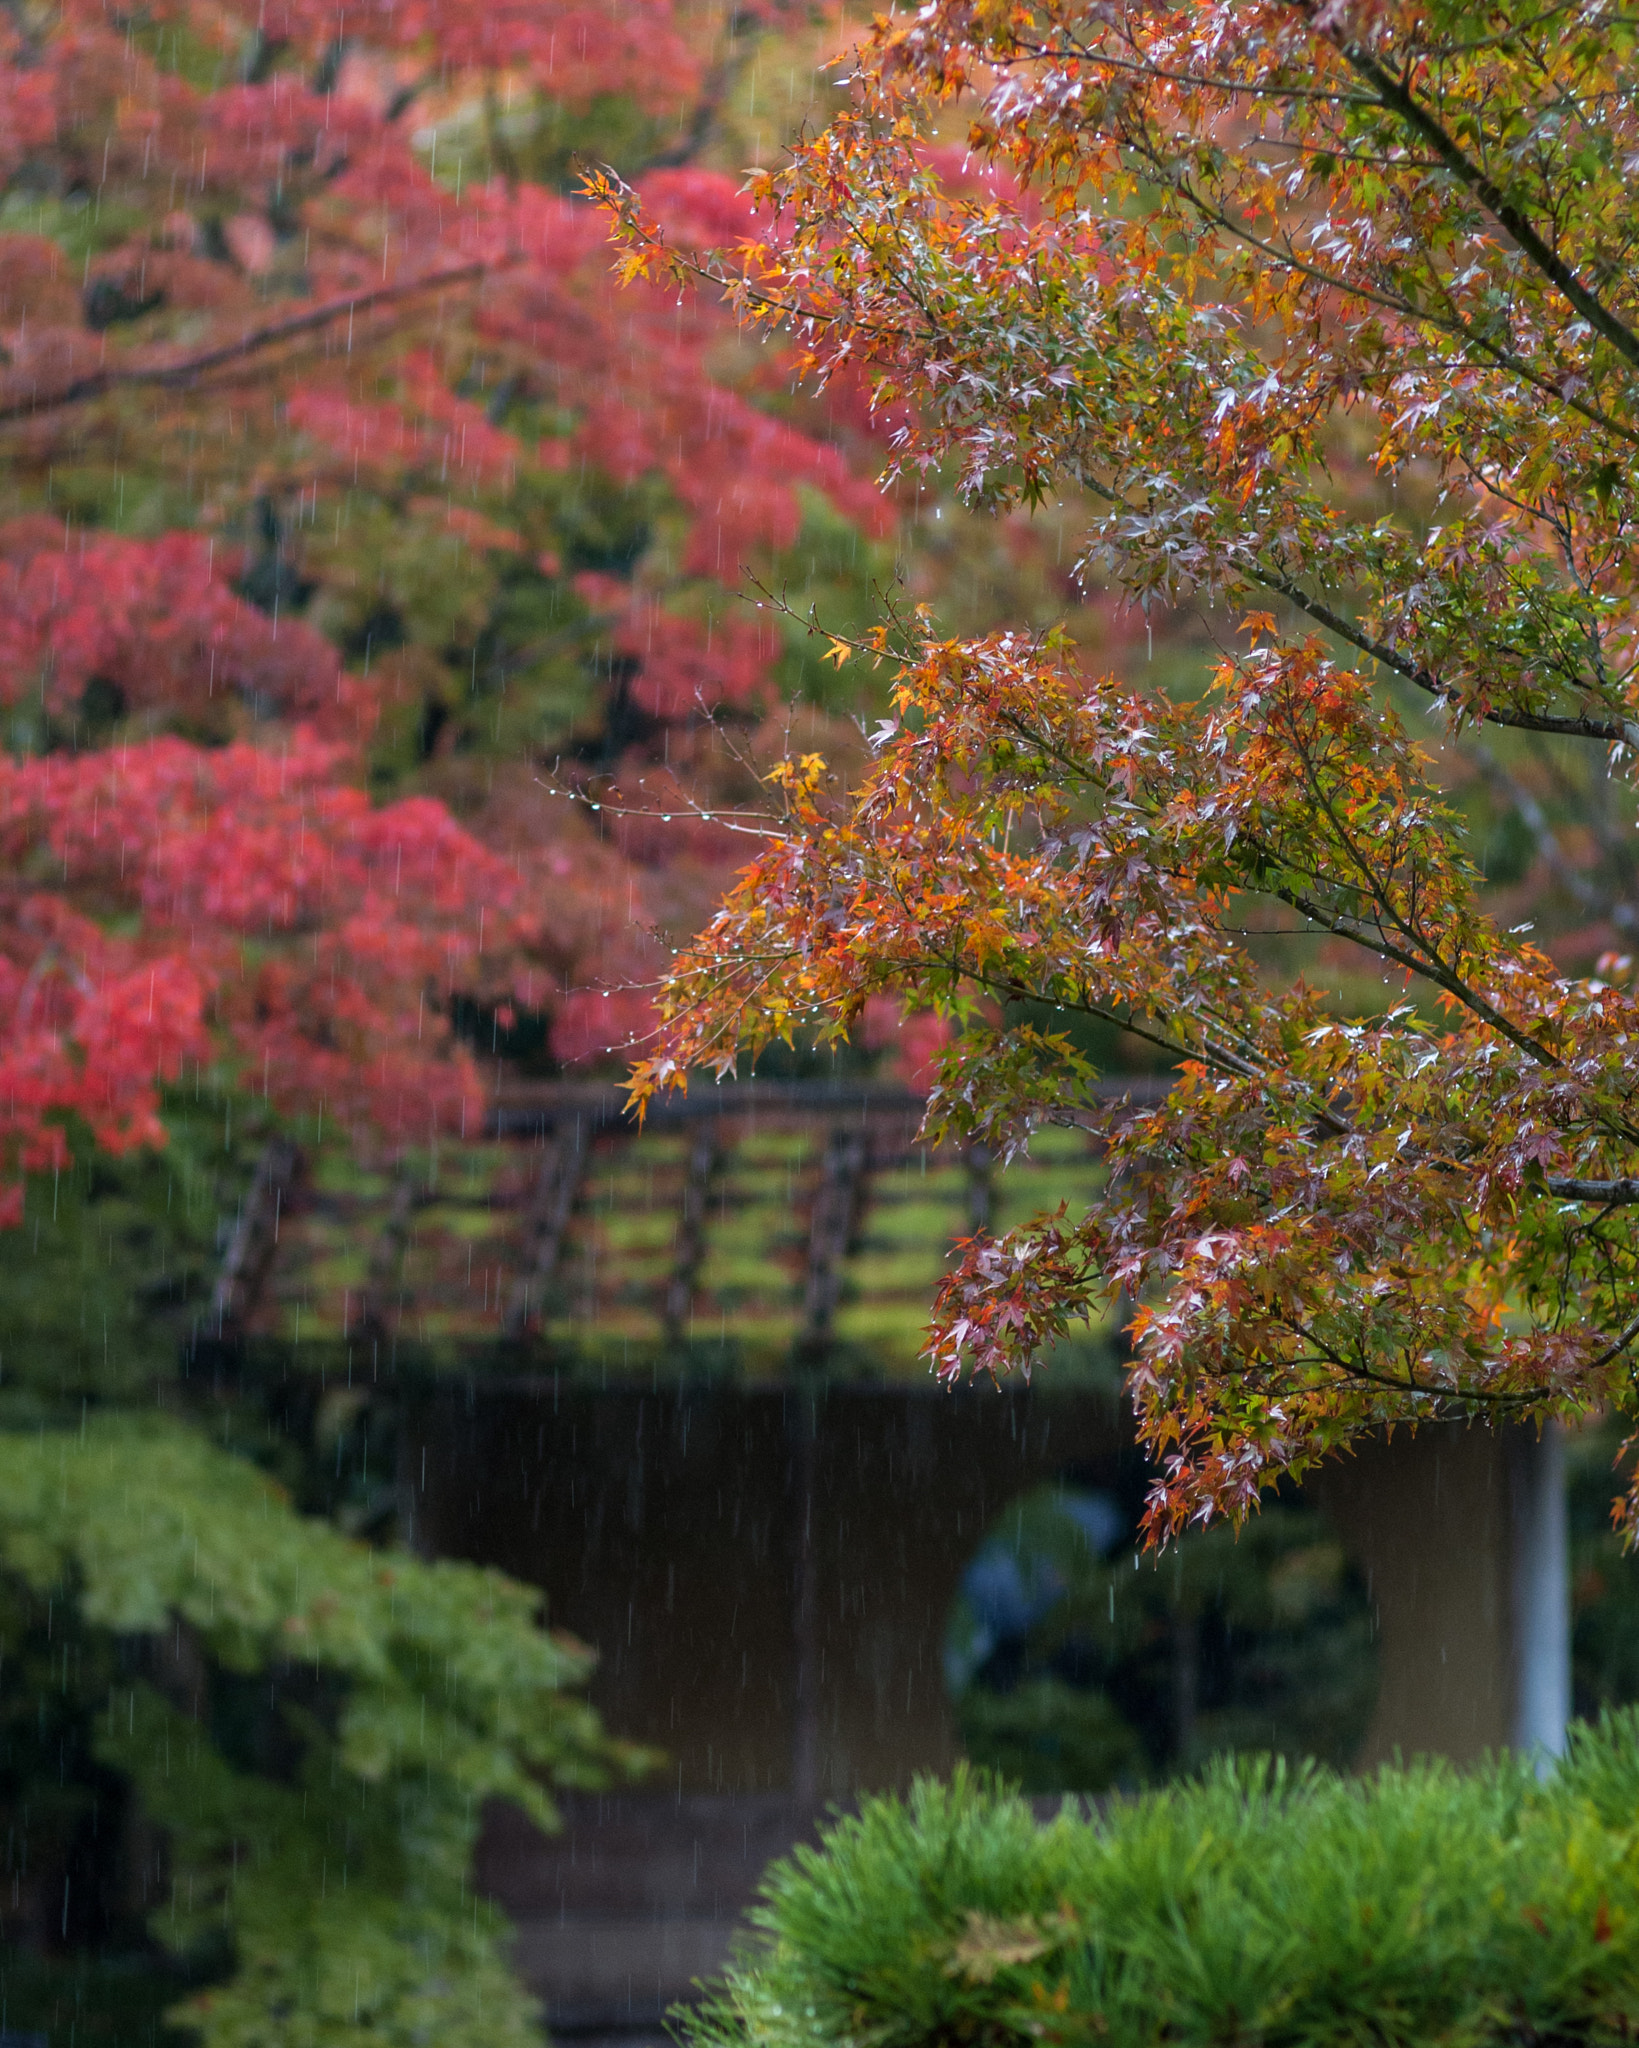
x=1257, y=1904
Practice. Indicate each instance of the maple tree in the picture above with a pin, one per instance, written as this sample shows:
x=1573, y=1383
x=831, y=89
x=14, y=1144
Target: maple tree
x=1328, y=315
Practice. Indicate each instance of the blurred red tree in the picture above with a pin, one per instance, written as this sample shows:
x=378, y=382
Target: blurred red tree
x=344, y=495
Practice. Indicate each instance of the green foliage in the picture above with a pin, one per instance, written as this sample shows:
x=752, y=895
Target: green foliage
x=1261, y=1904
x=539, y=689
x=394, y=575
x=835, y=575
x=607, y=526
x=1604, y=1578
x=541, y=138
x=112, y=494
x=1051, y=1736
x=111, y=1267
x=1096, y=1039
x=314, y=1723
x=347, y=1905
x=1257, y=1640
x=495, y=653
x=225, y=1729
x=81, y=225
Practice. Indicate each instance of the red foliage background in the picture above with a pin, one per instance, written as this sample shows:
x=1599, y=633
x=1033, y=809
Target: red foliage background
x=252, y=303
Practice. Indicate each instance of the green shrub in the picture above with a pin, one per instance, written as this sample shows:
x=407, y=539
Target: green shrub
x=312, y=1724
x=1259, y=1904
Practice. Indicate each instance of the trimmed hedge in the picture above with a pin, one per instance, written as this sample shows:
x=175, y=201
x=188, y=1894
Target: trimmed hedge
x=1260, y=1904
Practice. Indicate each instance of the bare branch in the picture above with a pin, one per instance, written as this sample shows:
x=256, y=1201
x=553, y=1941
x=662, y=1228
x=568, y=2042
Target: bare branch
x=179, y=371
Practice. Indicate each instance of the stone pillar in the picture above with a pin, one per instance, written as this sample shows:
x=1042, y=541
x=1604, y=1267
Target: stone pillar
x=1541, y=1594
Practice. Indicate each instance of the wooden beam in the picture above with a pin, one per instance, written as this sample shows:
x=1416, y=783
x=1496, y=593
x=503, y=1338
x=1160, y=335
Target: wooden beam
x=981, y=1189
x=838, y=1201
x=385, y=1270
x=546, y=1224
x=249, y=1254
x=529, y=1109
x=705, y=1157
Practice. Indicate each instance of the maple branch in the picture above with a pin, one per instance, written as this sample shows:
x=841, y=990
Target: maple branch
x=1423, y=962
x=1417, y=1389
x=1624, y=1339
x=1451, y=323
x=1398, y=97
x=1614, y=732
x=1179, y=1048
x=1622, y=732
x=1467, y=46
x=1076, y=50
x=1223, y=1057
x=1356, y=930
x=181, y=370
x=1372, y=938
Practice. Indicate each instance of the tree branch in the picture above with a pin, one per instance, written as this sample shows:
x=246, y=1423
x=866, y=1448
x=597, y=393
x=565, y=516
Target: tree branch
x=1613, y=732
x=1377, y=941
x=1397, y=303
x=1401, y=100
x=1622, y=732
x=183, y=370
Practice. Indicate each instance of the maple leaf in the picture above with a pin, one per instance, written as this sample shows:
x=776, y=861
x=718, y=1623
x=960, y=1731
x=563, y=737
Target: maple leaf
x=987, y=1946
